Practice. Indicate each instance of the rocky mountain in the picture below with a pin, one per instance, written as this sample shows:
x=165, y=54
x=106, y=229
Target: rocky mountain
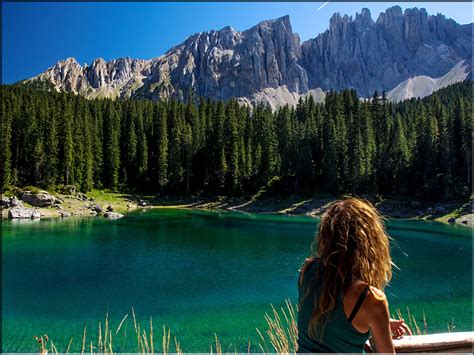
x=407, y=54
x=366, y=55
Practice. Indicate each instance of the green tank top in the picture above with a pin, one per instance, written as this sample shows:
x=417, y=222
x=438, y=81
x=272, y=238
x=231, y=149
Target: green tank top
x=339, y=335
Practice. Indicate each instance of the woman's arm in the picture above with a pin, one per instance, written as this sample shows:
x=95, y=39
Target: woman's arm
x=379, y=322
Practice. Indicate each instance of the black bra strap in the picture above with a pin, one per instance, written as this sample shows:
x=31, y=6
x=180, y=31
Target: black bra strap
x=358, y=304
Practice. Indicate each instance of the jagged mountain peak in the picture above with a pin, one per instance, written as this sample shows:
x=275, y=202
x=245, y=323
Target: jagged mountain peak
x=370, y=56
x=283, y=20
x=268, y=62
x=364, y=17
x=69, y=60
x=227, y=29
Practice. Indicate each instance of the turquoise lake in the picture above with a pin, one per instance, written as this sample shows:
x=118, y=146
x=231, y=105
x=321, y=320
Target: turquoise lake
x=201, y=274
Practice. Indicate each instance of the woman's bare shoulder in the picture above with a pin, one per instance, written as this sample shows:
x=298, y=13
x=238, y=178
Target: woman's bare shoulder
x=376, y=294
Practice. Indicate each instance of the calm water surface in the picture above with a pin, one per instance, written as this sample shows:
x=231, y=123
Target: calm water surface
x=200, y=273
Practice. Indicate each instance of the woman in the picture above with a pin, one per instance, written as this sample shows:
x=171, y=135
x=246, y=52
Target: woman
x=341, y=299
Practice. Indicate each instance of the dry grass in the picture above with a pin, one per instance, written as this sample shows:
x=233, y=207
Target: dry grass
x=104, y=344
x=280, y=335
x=282, y=332
x=410, y=320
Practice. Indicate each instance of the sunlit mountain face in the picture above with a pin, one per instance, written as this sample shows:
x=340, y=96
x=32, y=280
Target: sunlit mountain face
x=406, y=54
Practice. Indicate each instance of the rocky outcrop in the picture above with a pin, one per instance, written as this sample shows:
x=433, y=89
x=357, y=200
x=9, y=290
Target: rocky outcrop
x=64, y=214
x=378, y=55
x=113, y=215
x=267, y=63
x=41, y=199
x=4, y=202
x=219, y=64
x=7, y=202
x=228, y=63
x=15, y=202
x=22, y=212
x=96, y=208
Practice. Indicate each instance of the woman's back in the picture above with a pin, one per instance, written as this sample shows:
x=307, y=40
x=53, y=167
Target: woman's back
x=353, y=256
x=338, y=334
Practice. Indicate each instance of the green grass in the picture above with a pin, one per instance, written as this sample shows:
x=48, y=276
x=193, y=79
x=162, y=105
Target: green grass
x=107, y=197
x=453, y=214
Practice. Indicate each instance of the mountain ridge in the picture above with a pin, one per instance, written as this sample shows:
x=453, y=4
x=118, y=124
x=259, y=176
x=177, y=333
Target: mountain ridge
x=268, y=63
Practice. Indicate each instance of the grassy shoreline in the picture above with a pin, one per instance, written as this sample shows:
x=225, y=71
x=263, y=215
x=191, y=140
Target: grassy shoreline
x=79, y=205
x=279, y=335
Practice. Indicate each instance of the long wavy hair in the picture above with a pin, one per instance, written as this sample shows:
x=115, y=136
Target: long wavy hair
x=351, y=245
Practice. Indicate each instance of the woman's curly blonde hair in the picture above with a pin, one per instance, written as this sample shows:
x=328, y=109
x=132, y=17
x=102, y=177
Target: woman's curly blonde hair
x=351, y=245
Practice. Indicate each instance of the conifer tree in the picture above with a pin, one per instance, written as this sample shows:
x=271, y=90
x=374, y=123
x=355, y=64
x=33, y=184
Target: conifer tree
x=330, y=156
x=421, y=147
x=232, y=139
x=162, y=144
x=175, y=145
x=66, y=144
x=5, y=142
x=111, y=147
x=398, y=157
x=142, y=149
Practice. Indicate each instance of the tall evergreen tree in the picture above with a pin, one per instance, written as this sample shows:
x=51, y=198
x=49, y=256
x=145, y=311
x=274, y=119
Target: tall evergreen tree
x=162, y=144
x=111, y=147
x=5, y=142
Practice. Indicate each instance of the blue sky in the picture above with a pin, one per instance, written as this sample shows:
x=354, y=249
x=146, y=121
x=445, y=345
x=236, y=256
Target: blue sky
x=36, y=35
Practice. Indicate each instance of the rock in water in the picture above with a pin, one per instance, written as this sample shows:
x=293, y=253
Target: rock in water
x=41, y=199
x=113, y=215
x=22, y=212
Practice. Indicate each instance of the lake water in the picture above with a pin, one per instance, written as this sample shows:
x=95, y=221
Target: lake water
x=201, y=274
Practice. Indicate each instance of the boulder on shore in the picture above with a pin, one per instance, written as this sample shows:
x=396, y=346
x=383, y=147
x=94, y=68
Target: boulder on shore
x=452, y=220
x=143, y=203
x=64, y=214
x=4, y=202
x=22, y=212
x=41, y=199
x=69, y=190
x=14, y=201
x=113, y=215
x=97, y=209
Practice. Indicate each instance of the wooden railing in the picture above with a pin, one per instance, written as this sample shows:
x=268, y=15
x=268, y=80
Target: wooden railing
x=462, y=342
